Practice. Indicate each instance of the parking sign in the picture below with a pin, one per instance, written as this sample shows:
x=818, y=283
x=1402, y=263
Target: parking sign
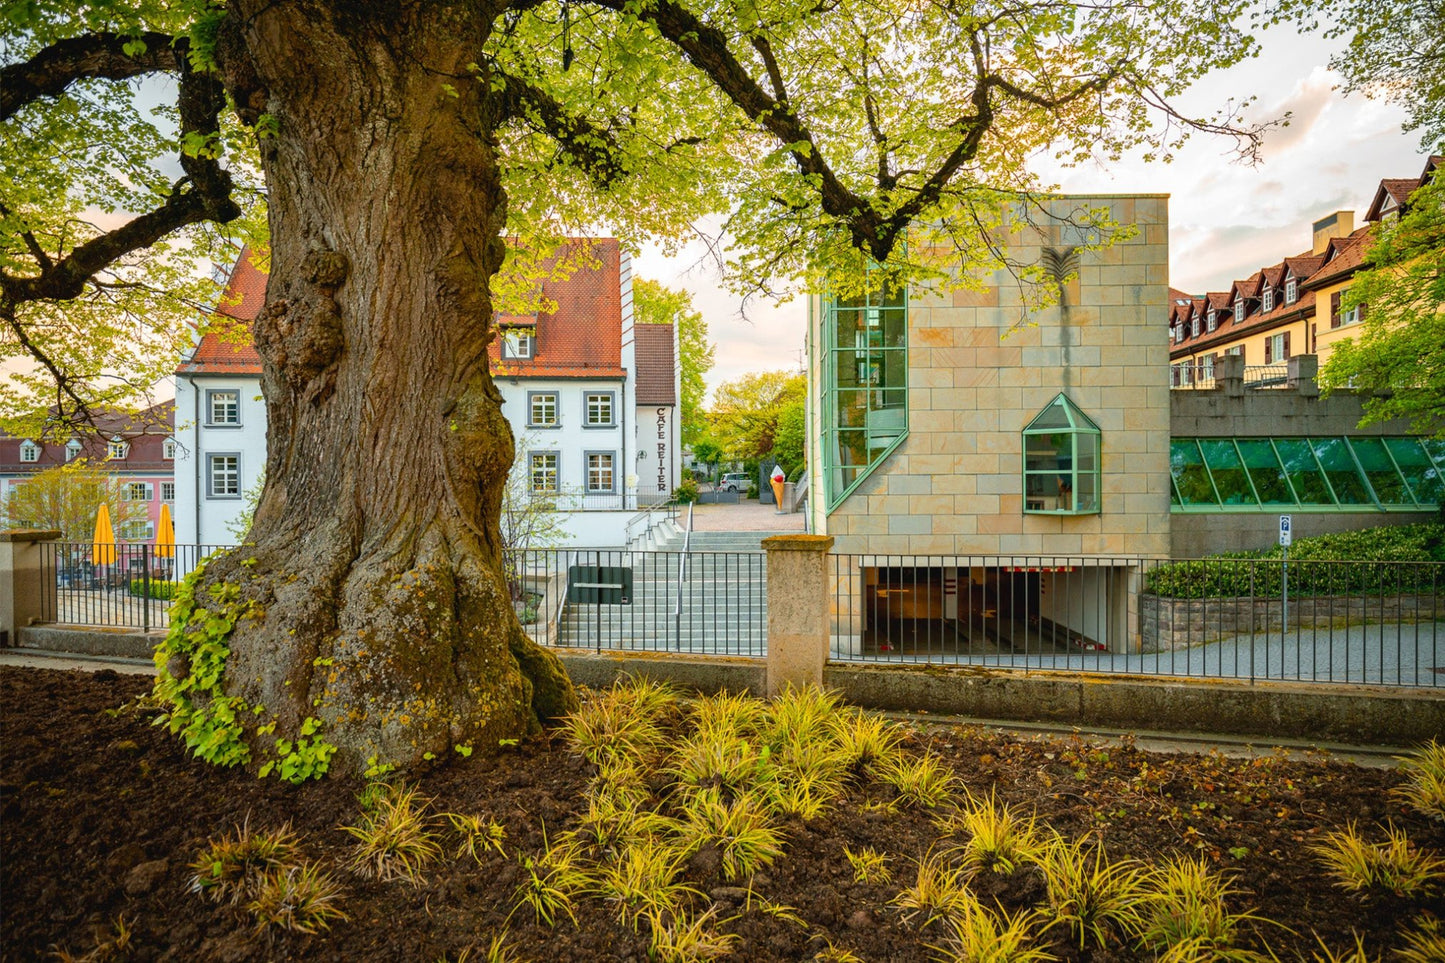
x=1284, y=530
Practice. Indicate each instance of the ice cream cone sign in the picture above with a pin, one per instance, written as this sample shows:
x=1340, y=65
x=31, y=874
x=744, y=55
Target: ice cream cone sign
x=777, y=479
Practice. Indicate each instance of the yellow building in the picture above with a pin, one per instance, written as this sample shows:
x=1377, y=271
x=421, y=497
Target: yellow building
x=1288, y=309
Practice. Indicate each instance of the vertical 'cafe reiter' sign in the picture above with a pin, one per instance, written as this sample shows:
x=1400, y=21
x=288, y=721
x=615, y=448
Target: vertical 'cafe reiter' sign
x=662, y=485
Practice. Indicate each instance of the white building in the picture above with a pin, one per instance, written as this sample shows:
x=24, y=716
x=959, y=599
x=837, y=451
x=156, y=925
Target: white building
x=570, y=387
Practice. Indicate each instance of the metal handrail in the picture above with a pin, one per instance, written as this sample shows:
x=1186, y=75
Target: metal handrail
x=681, y=578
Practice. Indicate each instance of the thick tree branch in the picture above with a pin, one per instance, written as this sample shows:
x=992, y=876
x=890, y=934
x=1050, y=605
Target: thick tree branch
x=55, y=68
x=594, y=148
x=204, y=194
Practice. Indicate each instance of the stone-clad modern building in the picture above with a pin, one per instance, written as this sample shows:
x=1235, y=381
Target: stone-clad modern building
x=952, y=426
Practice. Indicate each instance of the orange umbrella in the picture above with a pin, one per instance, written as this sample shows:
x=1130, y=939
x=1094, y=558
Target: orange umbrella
x=102, y=549
x=166, y=534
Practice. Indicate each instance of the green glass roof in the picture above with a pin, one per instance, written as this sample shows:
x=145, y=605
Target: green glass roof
x=1332, y=473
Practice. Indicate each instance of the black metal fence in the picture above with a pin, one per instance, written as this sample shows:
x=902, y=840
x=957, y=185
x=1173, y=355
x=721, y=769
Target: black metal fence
x=711, y=603
x=1363, y=622
x=125, y=584
x=1379, y=623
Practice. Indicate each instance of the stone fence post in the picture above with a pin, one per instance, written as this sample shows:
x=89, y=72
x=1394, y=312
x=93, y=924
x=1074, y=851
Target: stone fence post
x=23, y=583
x=797, y=609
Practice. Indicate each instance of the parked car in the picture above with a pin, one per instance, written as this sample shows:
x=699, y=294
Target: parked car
x=737, y=481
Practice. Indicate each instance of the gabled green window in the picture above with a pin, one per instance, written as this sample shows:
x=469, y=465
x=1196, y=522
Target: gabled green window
x=1061, y=461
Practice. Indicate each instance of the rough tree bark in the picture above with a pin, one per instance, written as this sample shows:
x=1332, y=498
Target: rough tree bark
x=374, y=562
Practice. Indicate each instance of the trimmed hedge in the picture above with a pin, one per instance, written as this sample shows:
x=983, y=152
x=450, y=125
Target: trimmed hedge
x=1371, y=561
x=160, y=589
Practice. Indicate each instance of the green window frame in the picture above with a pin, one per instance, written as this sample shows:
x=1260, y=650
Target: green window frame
x=1062, y=461
x=864, y=386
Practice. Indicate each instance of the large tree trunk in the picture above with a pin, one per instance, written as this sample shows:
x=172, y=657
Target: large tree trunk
x=374, y=560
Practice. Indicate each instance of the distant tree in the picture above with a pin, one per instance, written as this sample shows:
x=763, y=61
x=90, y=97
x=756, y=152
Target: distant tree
x=240, y=526
x=790, y=438
x=66, y=498
x=655, y=303
x=745, y=412
x=707, y=452
x=529, y=519
x=1398, y=360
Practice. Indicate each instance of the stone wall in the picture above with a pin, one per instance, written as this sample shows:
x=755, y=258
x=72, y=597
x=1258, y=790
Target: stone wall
x=1171, y=624
x=980, y=367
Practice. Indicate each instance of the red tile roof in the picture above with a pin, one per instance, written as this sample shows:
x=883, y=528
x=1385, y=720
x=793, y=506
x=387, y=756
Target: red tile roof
x=656, y=364
x=581, y=338
x=225, y=347
x=146, y=431
x=584, y=332
x=1342, y=258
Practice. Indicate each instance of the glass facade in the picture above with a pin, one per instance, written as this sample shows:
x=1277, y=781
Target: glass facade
x=1061, y=461
x=865, y=385
x=1310, y=474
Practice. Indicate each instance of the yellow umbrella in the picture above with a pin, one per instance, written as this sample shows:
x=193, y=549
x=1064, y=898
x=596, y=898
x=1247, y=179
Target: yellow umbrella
x=102, y=551
x=166, y=534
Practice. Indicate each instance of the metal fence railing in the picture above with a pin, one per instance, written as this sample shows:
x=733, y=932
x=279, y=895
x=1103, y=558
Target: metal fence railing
x=1380, y=623
x=711, y=603
x=1362, y=622
x=125, y=585
x=1266, y=376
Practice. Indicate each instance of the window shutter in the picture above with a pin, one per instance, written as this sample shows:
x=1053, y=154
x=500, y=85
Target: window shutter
x=1335, y=310
x=1286, y=347
x=1268, y=350
x=1360, y=311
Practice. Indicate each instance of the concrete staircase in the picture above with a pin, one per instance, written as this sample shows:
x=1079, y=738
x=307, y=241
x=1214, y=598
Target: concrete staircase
x=722, y=607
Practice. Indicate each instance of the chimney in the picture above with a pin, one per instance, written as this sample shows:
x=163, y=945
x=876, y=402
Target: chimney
x=1338, y=224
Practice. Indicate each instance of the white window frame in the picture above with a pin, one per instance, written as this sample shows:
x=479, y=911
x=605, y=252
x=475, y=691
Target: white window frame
x=211, y=475
x=137, y=492
x=73, y=448
x=213, y=395
x=610, y=469
x=1211, y=320
x=1291, y=290
x=29, y=451
x=1266, y=300
x=168, y=491
x=1350, y=316
x=536, y=398
x=137, y=530
x=1194, y=327
x=519, y=344
x=1239, y=309
x=1276, y=348
x=533, y=467
x=587, y=408
x=117, y=450
x=168, y=449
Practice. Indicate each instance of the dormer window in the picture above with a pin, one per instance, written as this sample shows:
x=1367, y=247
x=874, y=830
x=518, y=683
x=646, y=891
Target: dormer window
x=1291, y=291
x=1238, y=308
x=1211, y=320
x=1266, y=300
x=1194, y=328
x=519, y=343
x=168, y=449
x=117, y=449
x=1178, y=334
x=29, y=451
x=72, y=449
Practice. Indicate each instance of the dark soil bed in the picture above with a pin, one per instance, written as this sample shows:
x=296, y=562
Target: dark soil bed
x=101, y=813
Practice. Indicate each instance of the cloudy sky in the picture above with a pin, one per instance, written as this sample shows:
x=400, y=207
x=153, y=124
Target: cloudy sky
x=1226, y=219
